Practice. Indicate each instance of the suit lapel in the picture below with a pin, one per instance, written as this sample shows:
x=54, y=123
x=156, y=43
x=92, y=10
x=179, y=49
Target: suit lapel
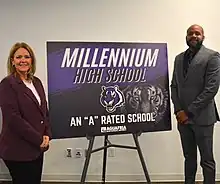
x=38, y=87
x=192, y=66
x=180, y=66
x=29, y=93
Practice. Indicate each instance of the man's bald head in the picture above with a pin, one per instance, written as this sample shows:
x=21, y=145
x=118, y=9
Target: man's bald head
x=196, y=26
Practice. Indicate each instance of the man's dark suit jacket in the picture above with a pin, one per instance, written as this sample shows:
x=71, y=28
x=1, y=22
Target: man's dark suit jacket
x=195, y=92
x=24, y=120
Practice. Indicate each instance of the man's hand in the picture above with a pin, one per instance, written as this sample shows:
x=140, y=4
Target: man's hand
x=45, y=143
x=181, y=117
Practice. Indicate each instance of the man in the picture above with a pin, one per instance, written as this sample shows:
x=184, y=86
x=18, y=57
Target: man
x=195, y=82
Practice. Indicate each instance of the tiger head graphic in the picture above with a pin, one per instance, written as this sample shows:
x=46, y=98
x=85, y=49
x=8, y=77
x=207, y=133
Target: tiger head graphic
x=111, y=98
x=145, y=99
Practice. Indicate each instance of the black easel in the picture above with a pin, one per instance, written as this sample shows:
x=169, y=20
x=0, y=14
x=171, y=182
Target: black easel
x=108, y=144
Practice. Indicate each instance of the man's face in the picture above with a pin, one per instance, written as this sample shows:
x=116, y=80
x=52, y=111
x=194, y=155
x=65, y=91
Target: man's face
x=195, y=36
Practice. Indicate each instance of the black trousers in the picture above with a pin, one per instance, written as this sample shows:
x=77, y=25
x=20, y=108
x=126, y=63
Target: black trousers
x=201, y=136
x=25, y=172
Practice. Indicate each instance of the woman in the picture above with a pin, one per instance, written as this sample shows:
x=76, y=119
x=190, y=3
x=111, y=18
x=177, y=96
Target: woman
x=25, y=131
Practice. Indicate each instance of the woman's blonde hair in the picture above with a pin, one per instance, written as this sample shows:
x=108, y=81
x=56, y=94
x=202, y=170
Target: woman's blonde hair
x=12, y=69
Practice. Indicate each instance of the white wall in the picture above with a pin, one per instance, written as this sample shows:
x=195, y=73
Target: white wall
x=38, y=21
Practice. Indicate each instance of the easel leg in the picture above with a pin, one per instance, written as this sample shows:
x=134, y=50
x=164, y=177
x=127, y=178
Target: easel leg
x=104, y=159
x=86, y=165
x=135, y=136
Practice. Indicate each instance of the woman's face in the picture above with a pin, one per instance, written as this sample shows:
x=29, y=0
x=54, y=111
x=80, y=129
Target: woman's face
x=22, y=60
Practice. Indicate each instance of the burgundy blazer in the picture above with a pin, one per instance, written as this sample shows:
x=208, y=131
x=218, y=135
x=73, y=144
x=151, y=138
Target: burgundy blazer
x=24, y=120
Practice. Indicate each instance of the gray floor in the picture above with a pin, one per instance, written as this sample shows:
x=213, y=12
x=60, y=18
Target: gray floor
x=107, y=182
x=111, y=183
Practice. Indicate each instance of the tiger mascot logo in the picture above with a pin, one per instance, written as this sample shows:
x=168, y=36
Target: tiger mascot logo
x=111, y=98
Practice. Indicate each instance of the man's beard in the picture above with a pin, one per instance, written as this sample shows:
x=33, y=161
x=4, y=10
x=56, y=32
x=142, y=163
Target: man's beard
x=196, y=46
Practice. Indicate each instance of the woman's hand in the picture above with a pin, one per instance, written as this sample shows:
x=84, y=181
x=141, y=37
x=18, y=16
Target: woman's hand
x=45, y=143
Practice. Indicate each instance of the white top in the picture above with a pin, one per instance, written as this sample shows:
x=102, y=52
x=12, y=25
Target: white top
x=33, y=89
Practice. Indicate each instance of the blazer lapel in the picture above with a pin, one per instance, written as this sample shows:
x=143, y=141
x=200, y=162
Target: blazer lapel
x=180, y=70
x=29, y=93
x=192, y=66
x=38, y=87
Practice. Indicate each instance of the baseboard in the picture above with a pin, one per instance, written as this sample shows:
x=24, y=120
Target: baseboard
x=111, y=178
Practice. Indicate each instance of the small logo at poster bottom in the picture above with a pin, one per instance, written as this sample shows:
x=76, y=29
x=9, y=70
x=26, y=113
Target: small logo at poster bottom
x=113, y=129
x=111, y=98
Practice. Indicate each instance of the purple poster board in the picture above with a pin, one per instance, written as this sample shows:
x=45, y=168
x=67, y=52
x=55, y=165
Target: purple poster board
x=98, y=88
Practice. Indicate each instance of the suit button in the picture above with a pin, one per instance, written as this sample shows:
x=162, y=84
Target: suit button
x=41, y=122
